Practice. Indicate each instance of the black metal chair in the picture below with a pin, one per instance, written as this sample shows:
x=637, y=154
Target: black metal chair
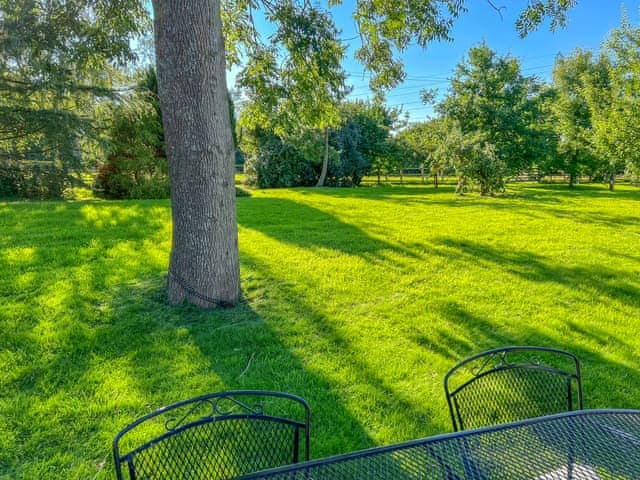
x=215, y=436
x=512, y=383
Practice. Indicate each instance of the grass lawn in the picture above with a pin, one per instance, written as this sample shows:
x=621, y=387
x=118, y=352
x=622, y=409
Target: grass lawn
x=358, y=300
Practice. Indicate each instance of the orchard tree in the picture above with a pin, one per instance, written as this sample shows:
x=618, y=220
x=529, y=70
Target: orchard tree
x=417, y=143
x=492, y=101
x=428, y=146
x=612, y=91
x=572, y=116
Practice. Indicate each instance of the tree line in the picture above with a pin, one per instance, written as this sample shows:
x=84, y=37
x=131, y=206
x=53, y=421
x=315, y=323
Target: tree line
x=494, y=123
x=70, y=105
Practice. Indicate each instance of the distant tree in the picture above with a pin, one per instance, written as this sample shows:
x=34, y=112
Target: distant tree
x=492, y=101
x=414, y=143
x=572, y=116
x=362, y=139
x=471, y=155
x=136, y=163
x=479, y=161
x=612, y=93
x=272, y=161
x=57, y=59
x=428, y=148
x=304, y=91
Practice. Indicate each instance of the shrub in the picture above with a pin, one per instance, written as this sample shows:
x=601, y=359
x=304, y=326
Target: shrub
x=277, y=164
x=32, y=180
x=136, y=165
x=121, y=177
x=10, y=175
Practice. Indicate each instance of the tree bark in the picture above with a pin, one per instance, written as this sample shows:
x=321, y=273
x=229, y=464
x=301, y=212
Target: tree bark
x=204, y=264
x=325, y=159
x=612, y=181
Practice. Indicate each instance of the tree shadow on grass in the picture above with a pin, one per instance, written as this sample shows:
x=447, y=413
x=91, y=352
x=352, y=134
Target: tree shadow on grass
x=593, y=218
x=539, y=193
x=582, y=191
x=355, y=378
x=533, y=267
x=94, y=345
x=296, y=223
x=467, y=334
x=62, y=262
x=91, y=380
x=91, y=343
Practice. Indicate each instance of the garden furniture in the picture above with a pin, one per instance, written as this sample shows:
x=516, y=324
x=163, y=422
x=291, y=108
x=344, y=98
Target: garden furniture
x=215, y=436
x=577, y=445
x=512, y=383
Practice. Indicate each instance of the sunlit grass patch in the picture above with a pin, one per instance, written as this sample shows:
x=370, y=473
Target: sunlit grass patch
x=358, y=300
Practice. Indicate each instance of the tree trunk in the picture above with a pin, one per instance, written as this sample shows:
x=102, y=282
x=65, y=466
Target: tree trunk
x=204, y=265
x=612, y=181
x=325, y=160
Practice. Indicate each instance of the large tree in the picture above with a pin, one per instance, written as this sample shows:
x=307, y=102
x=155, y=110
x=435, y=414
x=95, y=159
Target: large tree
x=56, y=58
x=190, y=60
x=190, y=52
x=612, y=88
x=498, y=108
x=572, y=116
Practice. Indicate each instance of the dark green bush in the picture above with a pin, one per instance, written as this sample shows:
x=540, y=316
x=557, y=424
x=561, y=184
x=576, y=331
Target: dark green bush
x=10, y=179
x=277, y=164
x=136, y=164
x=32, y=180
x=122, y=177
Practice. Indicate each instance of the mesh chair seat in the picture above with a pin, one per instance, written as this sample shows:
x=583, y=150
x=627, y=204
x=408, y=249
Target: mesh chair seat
x=215, y=436
x=512, y=383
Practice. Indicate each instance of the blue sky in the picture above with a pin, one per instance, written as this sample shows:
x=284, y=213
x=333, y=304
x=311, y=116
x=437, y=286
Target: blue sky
x=587, y=27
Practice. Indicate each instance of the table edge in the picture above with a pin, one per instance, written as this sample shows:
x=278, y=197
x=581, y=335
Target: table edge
x=435, y=438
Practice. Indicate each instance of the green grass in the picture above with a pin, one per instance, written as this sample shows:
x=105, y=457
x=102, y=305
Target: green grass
x=358, y=300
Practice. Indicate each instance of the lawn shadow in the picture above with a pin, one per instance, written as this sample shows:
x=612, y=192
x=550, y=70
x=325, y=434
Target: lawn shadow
x=594, y=217
x=357, y=377
x=60, y=267
x=465, y=334
x=94, y=344
x=285, y=217
x=592, y=190
x=534, y=267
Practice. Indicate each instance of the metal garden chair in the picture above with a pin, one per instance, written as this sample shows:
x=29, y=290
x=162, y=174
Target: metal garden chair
x=215, y=436
x=512, y=383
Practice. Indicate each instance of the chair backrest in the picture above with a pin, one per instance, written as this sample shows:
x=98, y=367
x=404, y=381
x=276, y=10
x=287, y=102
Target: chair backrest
x=215, y=436
x=512, y=383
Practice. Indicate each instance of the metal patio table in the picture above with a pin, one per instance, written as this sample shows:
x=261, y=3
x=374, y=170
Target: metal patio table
x=579, y=445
